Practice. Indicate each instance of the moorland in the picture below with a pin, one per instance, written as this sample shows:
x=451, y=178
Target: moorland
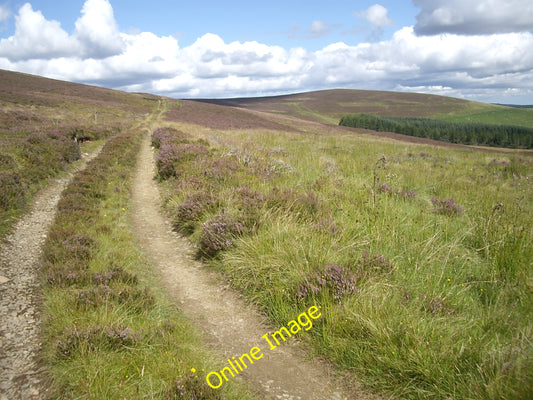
x=418, y=252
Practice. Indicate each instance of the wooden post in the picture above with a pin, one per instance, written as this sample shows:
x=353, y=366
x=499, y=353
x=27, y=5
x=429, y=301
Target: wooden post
x=95, y=116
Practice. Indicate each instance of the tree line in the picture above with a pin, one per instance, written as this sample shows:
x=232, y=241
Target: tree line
x=453, y=132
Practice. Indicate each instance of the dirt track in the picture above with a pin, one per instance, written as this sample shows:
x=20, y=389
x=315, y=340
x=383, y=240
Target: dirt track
x=230, y=325
x=21, y=376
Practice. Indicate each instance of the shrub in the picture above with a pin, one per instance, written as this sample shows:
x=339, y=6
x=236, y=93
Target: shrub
x=331, y=280
x=218, y=234
x=190, y=212
x=165, y=161
x=166, y=135
x=68, y=247
x=249, y=203
x=94, y=338
x=191, y=387
x=134, y=297
x=446, y=207
x=12, y=190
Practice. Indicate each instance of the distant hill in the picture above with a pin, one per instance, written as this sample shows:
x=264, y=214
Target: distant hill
x=329, y=105
x=325, y=106
x=24, y=89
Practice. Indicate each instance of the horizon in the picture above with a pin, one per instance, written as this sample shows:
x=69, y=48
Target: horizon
x=469, y=50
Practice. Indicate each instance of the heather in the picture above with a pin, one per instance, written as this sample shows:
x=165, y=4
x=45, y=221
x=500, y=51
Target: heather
x=39, y=120
x=416, y=254
x=110, y=332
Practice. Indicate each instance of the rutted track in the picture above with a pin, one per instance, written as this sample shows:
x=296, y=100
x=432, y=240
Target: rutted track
x=21, y=376
x=228, y=323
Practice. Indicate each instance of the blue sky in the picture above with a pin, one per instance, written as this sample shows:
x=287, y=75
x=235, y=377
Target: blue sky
x=284, y=23
x=475, y=49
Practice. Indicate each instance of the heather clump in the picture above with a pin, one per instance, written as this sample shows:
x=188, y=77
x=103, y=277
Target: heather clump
x=96, y=338
x=328, y=226
x=403, y=193
x=47, y=153
x=135, y=298
x=189, y=214
x=192, y=386
x=13, y=192
x=304, y=205
x=446, y=207
x=437, y=306
x=221, y=169
x=165, y=161
x=332, y=280
x=171, y=155
x=218, y=234
x=166, y=135
x=69, y=246
x=249, y=204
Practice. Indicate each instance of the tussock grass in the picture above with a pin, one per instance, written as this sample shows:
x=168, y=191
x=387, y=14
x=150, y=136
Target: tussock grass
x=436, y=242
x=110, y=332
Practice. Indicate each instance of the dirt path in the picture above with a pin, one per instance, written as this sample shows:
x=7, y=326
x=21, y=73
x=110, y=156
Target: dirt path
x=230, y=325
x=21, y=377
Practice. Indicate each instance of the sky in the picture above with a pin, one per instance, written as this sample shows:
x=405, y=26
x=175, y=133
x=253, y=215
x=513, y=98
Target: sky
x=473, y=49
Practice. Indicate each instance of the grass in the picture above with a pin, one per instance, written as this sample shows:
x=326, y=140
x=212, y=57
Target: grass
x=110, y=332
x=420, y=257
x=38, y=119
x=498, y=115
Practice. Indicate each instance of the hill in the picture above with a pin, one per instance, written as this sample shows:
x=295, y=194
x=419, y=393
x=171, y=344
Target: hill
x=328, y=106
x=39, y=117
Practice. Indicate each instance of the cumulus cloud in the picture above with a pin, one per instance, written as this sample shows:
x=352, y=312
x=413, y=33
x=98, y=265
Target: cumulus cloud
x=318, y=29
x=465, y=66
x=377, y=19
x=377, y=15
x=97, y=30
x=96, y=35
x=35, y=37
x=473, y=17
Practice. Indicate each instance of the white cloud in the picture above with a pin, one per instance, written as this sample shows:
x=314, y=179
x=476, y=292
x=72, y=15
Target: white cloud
x=97, y=30
x=96, y=35
x=318, y=29
x=471, y=17
x=465, y=66
x=377, y=15
x=35, y=37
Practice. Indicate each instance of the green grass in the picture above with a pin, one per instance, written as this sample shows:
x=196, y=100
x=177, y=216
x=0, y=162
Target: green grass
x=110, y=332
x=442, y=303
x=498, y=115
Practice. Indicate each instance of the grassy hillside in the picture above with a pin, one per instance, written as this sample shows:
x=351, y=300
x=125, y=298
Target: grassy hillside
x=38, y=120
x=329, y=105
x=415, y=253
x=419, y=256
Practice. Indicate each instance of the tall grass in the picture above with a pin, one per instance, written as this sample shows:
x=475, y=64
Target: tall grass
x=110, y=332
x=419, y=257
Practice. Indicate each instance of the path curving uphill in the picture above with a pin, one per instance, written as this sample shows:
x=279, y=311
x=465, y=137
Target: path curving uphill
x=229, y=324
x=21, y=377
